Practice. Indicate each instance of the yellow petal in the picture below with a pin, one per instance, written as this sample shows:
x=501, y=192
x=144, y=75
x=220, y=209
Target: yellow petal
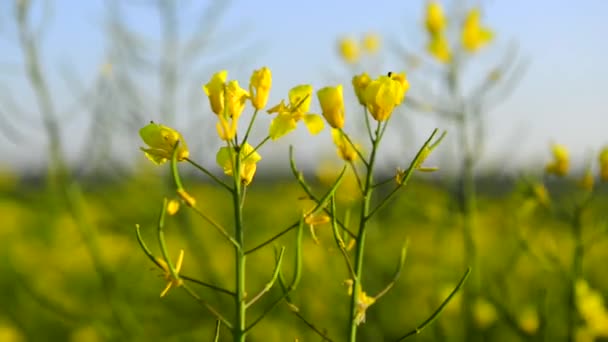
x=215, y=91
x=332, y=105
x=314, y=123
x=281, y=125
x=300, y=97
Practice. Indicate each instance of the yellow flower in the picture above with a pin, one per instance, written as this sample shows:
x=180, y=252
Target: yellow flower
x=235, y=98
x=371, y=43
x=560, y=164
x=161, y=140
x=171, y=281
x=186, y=197
x=383, y=94
x=400, y=78
x=484, y=313
x=313, y=219
x=346, y=151
x=289, y=115
x=259, y=87
x=528, y=320
x=332, y=105
x=435, y=19
x=474, y=36
x=226, y=127
x=215, y=91
x=349, y=50
x=249, y=158
x=360, y=82
x=363, y=302
x=172, y=207
x=439, y=48
x=590, y=304
x=603, y=160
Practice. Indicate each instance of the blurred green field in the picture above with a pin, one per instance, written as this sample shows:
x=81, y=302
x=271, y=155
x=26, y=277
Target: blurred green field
x=51, y=291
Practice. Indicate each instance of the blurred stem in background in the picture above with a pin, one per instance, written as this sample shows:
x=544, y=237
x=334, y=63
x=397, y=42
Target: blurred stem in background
x=57, y=168
x=60, y=180
x=453, y=43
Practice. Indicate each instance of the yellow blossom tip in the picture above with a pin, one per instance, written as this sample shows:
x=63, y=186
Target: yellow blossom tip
x=161, y=141
x=349, y=50
x=186, y=197
x=172, y=207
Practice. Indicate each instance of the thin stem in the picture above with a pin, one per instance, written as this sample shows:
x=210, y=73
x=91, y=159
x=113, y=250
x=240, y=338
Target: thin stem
x=163, y=243
x=255, y=114
x=150, y=256
x=437, y=312
x=207, y=306
x=300, y=178
x=294, y=282
x=339, y=241
x=397, y=272
x=216, y=225
x=257, y=147
x=368, y=125
x=357, y=177
x=354, y=147
x=360, y=245
x=37, y=81
x=386, y=181
x=293, y=308
x=216, y=334
x=410, y=170
x=273, y=279
x=265, y=243
x=208, y=173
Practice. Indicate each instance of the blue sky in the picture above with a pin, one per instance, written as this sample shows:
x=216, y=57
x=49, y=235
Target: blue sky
x=562, y=97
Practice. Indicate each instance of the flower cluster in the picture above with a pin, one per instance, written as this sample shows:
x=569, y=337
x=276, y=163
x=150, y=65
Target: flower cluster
x=350, y=50
x=474, y=36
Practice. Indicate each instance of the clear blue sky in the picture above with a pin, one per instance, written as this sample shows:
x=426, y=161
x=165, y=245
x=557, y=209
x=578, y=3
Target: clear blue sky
x=561, y=99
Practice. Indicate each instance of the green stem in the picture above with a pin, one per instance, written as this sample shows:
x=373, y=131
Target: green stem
x=365, y=206
x=211, y=175
x=437, y=312
x=240, y=326
x=255, y=114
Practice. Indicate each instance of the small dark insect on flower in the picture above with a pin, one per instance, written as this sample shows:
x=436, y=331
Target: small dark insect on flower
x=390, y=73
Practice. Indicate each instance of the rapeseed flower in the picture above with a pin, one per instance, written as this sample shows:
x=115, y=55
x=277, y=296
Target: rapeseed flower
x=360, y=83
x=561, y=162
x=259, y=87
x=215, y=91
x=435, y=21
x=346, y=151
x=171, y=280
x=475, y=36
x=439, y=48
x=363, y=302
x=235, y=99
x=383, y=94
x=349, y=50
x=297, y=109
x=371, y=43
x=161, y=141
x=332, y=105
x=248, y=156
